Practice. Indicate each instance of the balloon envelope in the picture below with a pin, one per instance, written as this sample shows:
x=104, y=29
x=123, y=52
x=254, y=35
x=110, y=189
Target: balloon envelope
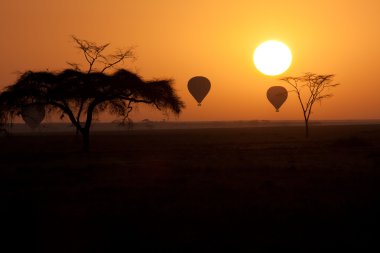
x=33, y=115
x=277, y=95
x=199, y=87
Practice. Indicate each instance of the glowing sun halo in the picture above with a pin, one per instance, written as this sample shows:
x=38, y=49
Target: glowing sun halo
x=272, y=58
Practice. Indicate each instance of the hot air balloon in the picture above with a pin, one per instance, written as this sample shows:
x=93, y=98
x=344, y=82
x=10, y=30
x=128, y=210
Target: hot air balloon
x=33, y=115
x=277, y=95
x=199, y=87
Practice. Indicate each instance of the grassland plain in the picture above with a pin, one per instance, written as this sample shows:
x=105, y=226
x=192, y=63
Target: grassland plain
x=192, y=190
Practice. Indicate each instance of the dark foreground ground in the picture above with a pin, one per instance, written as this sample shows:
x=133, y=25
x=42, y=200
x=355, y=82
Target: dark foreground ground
x=202, y=190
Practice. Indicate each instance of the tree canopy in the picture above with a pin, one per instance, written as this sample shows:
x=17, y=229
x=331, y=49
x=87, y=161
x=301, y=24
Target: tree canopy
x=71, y=90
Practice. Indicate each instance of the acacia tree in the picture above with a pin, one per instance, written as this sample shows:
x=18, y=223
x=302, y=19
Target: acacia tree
x=316, y=86
x=81, y=94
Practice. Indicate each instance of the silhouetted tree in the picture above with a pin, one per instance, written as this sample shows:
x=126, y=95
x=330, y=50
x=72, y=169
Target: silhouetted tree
x=79, y=94
x=72, y=90
x=316, y=87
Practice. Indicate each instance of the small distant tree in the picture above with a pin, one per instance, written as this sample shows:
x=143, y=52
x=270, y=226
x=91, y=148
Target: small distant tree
x=310, y=88
x=79, y=95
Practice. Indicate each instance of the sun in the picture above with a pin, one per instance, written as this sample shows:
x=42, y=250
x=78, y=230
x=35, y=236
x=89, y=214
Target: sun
x=272, y=57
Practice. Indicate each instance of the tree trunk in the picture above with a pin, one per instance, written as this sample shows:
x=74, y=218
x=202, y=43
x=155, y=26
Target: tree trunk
x=87, y=126
x=86, y=140
x=306, y=128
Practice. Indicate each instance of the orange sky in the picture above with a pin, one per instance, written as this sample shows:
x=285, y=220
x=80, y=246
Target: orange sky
x=180, y=39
